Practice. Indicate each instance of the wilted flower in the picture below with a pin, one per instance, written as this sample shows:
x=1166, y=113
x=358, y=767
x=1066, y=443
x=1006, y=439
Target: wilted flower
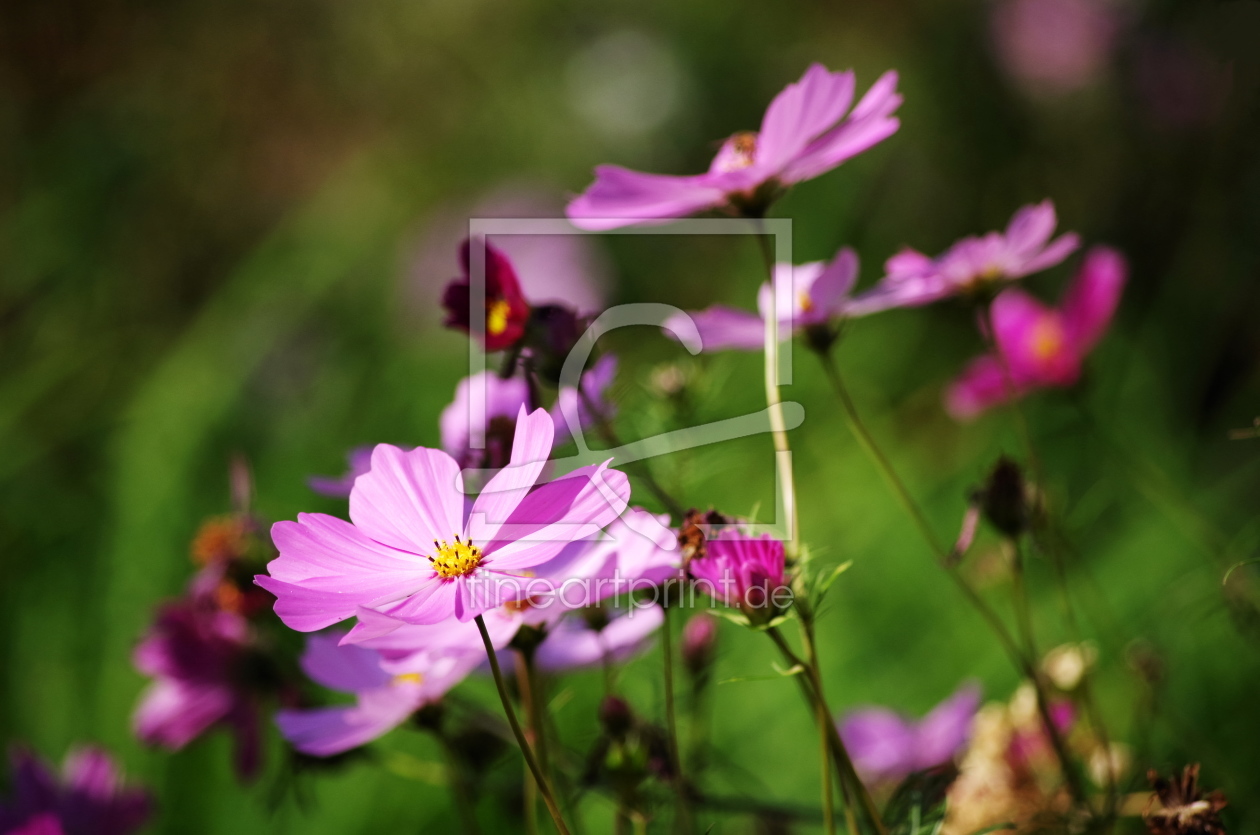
x=805, y=297
x=1041, y=347
x=89, y=798
x=416, y=552
x=205, y=673
x=744, y=572
x=506, y=311
x=807, y=130
x=384, y=698
x=913, y=279
x=1178, y=806
x=358, y=462
x=887, y=746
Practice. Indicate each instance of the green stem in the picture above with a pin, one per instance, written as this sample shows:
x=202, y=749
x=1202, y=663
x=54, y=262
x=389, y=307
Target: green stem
x=543, y=787
x=671, y=725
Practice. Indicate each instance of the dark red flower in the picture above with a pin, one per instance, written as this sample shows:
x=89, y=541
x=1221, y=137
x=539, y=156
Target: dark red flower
x=506, y=311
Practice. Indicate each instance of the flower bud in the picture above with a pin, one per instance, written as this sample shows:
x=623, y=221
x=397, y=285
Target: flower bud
x=616, y=716
x=699, y=643
x=1004, y=498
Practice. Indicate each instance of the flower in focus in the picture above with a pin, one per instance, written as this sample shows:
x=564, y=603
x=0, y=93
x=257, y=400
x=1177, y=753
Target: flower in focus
x=1041, y=347
x=886, y=746
x=506, y=311
x=90, y=797
x=384, y=698
x=358, y=462
x=596, y=636
x=913, y=279
x=200, y=657
x=804, y=297
x=743, y=572
x=414, y=551
x=807, y=130
x=1178, y=806
x=1054, y=46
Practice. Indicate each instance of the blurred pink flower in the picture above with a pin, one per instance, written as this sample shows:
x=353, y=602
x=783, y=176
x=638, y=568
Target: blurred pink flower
x=417, y=552
x=807, y=130
x=805, y=296
x=89, y=798
x=595, y=638
x=1041, y=347
x=913, y=279
x=886, y=746
x=384, y=699
x=1054, y=46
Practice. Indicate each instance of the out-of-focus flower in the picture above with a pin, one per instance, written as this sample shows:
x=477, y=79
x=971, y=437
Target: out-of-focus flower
x=1041, y=347
x=89, y=798
x=358, y=462
x=805, y=296
x=572, y=406
x=384, y=699
x=200, y=657
x=743, y=572
x=887, y=746
x=506, y=311
x=598, y=637
x=1066, y=665
x=417, y=553
x=807, y=130
x=1179, y=807
x=699, y=643
x=1054, y=46
x=465, y=437
x=913, y=279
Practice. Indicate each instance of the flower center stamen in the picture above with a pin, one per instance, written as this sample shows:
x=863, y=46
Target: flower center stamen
x=455, y=559
x=737, y=152
x=497, y=316
x=409, y=678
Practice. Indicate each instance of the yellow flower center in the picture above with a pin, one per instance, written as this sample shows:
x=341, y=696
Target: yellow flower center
x=455, y=559
x=497, y=317
x=1047, y=339
x=409, y=678
x=807, y=303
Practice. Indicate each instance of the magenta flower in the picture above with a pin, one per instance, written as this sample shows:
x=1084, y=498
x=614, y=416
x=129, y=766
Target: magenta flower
x=198, y=655
x=358, y=462
x=913, y=279
x=416, y=552
x=807, y=130
x=806, y=296
x=582, y=640
x=887, y=746
x=384, y=698
x=90, y=797
x=742, y=572
x=506, y=310
x=1041, y=347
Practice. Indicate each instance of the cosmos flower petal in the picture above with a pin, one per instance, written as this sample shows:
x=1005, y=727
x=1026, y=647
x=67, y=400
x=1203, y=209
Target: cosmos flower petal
x=621, y=197
x=322, y=601
x=945, y=730
x=433, y=603
x=571, y=644
x=485, y=394
x=982, y=385
x=881, y=743
x=319, y=545
x=724, y=328
x=324, y=732
x=1058, y=249
x=1031, y=227
x=530, y=449
x=173, y=713
x=802, y=111
x=347, y=668
x=409, y=499
x=1023, y=329
x=1093, y=297
x=829, y=291
x=870, y=123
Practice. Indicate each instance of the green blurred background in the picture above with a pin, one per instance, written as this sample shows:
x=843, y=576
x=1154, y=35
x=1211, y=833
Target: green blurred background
x=212, y=224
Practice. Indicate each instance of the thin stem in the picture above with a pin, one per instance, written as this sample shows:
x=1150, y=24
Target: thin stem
x=671, y=724
x=640, y=468
x=543, y=787
x=525, y=687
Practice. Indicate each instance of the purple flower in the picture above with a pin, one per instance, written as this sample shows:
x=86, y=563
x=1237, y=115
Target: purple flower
x=806, y=296
x=384, y=698
x=198, y=655
x=571, y=405
x=887, y=746
x=587, y=640
x=913, y=279
x=506, y=310
x=358, y=462
x=1054, y=46
x=742, y=571
x=418, y=553
x=807, y=130
x=89, y=798
x=1041, y=347
x=500, y=402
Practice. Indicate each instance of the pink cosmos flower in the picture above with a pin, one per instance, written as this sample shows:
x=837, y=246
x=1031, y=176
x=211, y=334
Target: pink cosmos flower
x=1041, y=347
x=582, y=640
x=384, y=698
x=358, y=462
x=742, y=571
x=417, y=552
x=886, y=746
x=913, y=279
x=806, y=296
x=89, y=798
x=807, y=130
x=197, y=654
x=506, y=310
